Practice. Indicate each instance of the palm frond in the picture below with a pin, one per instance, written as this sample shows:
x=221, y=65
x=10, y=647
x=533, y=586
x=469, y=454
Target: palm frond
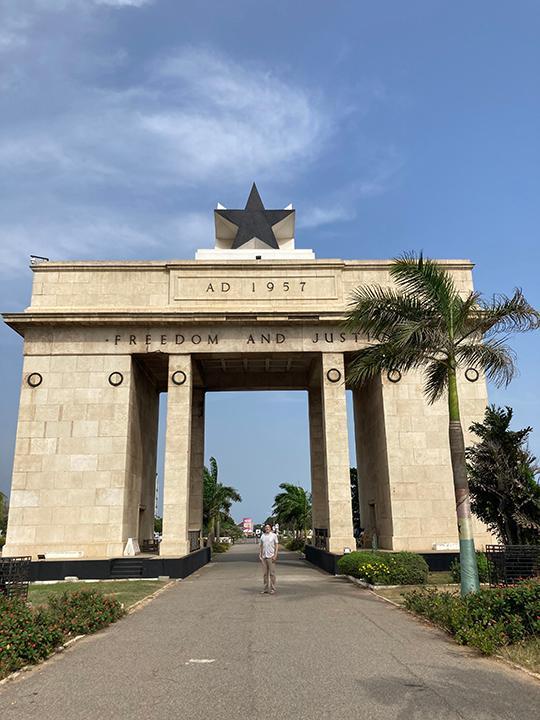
x=373, y=360
x=436, y=380
x=506, y=314
x=376, y=311
x=422, y=277
x=493, y=357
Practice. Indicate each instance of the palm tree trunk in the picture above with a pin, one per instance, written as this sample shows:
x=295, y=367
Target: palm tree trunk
x=467, y=555
x=210, y=540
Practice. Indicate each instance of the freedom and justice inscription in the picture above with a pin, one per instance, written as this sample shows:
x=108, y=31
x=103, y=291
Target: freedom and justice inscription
x=251, y=338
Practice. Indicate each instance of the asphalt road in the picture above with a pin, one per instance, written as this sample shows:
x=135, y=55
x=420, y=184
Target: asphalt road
x=213, y=647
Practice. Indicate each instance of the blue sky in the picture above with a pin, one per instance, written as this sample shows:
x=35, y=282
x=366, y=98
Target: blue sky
x=390, y=126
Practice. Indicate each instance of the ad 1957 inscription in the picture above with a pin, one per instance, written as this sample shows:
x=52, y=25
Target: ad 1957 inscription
x=227, y=287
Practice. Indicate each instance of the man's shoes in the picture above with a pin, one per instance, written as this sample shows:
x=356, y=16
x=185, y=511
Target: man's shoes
x=272, y=592
x=264, y=592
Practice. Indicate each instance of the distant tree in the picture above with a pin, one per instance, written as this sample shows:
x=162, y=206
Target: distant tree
x=231, y=529
x=355, y=500
x=503, y=478
x=292, y=508
x=217, y=501
x=158, y=524
x=3, y=518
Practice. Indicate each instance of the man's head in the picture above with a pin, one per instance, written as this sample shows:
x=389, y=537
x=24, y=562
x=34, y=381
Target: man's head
x=267, y=528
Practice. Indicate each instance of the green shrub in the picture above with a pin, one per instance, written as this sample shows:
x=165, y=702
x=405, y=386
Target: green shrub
x=295, y=544
x=220, y=547
x=84, y=611
x=483, y=568
x=487, y=619
x=26, y=636
x=385, y=568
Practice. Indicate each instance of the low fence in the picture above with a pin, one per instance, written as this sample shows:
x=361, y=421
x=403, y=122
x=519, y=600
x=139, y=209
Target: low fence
x=15, y=576
x=323, y=559
x=508, y=564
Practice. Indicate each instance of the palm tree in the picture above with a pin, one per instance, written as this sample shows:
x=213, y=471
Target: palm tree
x=217, y=500
x=426, y=323
x=293, y=507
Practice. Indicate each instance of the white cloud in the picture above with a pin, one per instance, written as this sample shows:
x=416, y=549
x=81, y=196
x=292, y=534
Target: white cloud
x=312, y=217
x=124, y=3
x=198, y=116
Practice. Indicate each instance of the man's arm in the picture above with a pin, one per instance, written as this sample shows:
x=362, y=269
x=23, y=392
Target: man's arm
x=260, y=549
x=276, y=550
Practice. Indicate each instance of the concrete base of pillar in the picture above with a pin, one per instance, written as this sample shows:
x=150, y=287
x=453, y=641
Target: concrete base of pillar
x=338, y=544
x=173, y=549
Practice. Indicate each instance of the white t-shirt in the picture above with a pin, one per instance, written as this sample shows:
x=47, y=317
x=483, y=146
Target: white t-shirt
x=269, y=544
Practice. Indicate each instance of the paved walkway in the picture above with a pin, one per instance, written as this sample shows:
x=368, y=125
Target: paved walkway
x=320, y=648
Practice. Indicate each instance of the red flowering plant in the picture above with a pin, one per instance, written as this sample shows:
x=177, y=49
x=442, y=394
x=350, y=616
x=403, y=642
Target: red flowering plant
x=26, y=636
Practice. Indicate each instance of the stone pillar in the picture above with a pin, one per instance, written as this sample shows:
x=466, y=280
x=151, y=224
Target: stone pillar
x=176, y=484
x=317, y=457
x=197, y=460
x=336, y=445
x=140, y=487
x=71, y=466
x=372, y=463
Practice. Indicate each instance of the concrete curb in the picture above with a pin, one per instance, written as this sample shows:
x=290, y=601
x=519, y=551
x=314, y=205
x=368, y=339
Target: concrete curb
x=60, y=649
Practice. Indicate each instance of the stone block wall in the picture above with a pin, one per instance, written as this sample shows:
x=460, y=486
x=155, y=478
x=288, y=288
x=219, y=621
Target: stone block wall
x=71, y=457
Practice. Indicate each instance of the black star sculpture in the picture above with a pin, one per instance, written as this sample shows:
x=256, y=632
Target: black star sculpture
x=254, y=221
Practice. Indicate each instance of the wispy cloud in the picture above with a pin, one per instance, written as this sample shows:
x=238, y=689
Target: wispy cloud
x=316, y=216
x=124, y=3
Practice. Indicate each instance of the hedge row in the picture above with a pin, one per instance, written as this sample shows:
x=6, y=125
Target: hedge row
x=487, y=619
x=28, y=635
x=483, y=568
x=385, y=568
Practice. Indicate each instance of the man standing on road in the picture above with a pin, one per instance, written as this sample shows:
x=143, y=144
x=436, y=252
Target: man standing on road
x=268, y=553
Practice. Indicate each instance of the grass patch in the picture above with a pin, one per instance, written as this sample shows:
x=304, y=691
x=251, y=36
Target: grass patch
x=526, y=654
x=127, y=592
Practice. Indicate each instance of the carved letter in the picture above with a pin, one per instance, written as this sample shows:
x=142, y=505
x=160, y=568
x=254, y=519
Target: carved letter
x=195, y=339
x=179, y=339
x=341, y=337
x=163, y=340
x=316, y=338
x=280, y=338
x=116, y=339
x=331, y=337
x=210, y=288
x=213, y=340
x=132, y=340
x=148, y=339
x=225, y=287
x=250, y=340
x=265, y=338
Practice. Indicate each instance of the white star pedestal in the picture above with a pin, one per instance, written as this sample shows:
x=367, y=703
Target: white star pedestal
x=276, y=227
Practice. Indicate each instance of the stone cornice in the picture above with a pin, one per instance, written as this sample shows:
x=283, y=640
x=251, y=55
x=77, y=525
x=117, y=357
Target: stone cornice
x=134, y=317
x=166, y=265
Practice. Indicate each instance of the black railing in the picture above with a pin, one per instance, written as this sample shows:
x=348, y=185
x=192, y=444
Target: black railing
x=15, y=576
x=150, y=546
x=194, y=537
x=508, y=564
x=320, y=538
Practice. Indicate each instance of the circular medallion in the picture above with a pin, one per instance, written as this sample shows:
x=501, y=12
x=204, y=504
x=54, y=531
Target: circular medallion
x=34, y=379
x=472, y=374
x=116, y=378
x=179, y=377
x=333, y=375
x=394, y=376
